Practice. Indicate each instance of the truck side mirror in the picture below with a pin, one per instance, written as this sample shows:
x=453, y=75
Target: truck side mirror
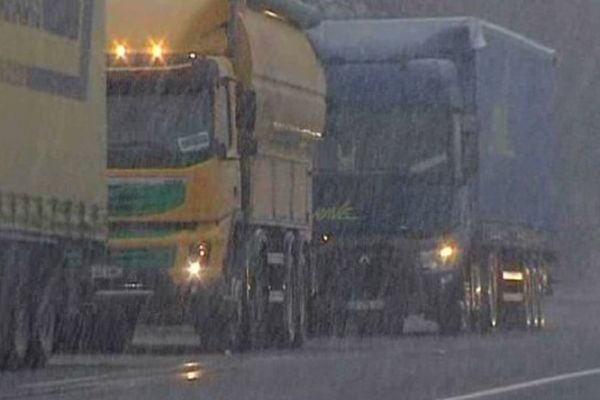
x=220, y=150
x=470, y=152
x=245, y=117
x=248, y=145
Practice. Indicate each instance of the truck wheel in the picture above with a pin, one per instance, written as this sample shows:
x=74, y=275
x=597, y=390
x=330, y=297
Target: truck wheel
x=238, y=321
x=5, y=305
x=340, y=320
x=20, y=316
x=238, y=312
x=494, y=293
x=522, y=316
x=529, y=300
x=290, y=292
x=42, y=344
x=394, y=321
x=321, y=301
x=541, y=315
x=80, y=328
x=258, y=298
x=479, y=314
x=301, y=293
x=452, y=318
x=44, y=316
x=20, y=336
x=112, y=332
x=537, y=300
x=395, y=311
x=488, y=313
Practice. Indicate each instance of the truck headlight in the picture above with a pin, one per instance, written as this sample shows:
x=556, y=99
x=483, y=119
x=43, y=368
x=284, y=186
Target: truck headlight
x=198, y=257
x=194, y=269
x=446, y=252
x=444, y=256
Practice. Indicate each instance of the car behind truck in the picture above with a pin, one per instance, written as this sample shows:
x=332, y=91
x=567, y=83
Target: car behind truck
x=434, y=188
x=213, y=108
x=52, y=166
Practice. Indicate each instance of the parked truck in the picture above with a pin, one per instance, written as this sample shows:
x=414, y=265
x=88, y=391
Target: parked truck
x=434, y=187
x=52, y=166
x=213, y=109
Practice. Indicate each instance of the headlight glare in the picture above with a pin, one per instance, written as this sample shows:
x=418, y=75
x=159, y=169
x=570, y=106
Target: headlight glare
x=194, y=269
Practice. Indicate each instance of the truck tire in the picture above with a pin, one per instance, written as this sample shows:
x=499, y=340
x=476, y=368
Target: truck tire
x=20, y=314
x=394, y=320
x=213, y=321
x=521, y=316
x=395, y=311
x=5, y=311
x=301, y=288
x=540, y=316
x=529, y=301
x=15, y=309
x=479, y=311
x=19, y=336
x=237, y=324
x=487, y=318
x=290, y=307
x=451, y=320
x=494, y=293
x=340, y=320
x=113, y=331
x=43, y=307
x=452, y=317
x=41, y=346
x=258, y=314
x=321, y=301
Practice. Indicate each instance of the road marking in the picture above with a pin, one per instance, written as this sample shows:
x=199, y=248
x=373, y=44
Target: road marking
x=68, y=381
x=525, y=385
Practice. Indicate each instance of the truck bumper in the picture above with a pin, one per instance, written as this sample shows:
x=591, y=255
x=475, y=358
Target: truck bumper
x=125, y=295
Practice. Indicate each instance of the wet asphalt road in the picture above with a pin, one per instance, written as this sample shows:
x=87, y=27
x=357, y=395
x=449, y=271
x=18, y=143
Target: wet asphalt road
x=418, y=366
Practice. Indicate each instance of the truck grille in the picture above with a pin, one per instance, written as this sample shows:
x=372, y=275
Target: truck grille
x=144, y=258
x=134, y=199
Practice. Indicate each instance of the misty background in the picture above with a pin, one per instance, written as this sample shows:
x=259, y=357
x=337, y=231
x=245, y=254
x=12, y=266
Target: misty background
x=572, y=28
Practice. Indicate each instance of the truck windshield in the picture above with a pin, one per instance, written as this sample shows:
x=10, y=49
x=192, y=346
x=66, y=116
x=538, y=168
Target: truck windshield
x=158, y=128
x=412, y=140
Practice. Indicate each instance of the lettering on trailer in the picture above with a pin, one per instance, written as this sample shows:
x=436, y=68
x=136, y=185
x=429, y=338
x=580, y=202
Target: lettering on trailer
x=342, y=212
x=70, y=20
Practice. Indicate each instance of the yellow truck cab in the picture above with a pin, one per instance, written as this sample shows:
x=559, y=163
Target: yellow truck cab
x=213, y=107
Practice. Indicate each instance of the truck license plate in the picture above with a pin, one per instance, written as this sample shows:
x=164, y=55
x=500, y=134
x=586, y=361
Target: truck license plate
x=106, y=272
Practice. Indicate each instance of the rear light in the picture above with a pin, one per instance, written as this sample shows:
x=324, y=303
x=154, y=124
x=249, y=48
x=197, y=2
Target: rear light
x=512, y=275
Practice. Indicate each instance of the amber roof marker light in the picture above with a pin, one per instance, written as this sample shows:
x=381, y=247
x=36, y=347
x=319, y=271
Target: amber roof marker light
x=120, y=51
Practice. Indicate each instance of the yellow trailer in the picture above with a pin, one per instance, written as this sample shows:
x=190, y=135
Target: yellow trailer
x=52, y=163
x=213, y=108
